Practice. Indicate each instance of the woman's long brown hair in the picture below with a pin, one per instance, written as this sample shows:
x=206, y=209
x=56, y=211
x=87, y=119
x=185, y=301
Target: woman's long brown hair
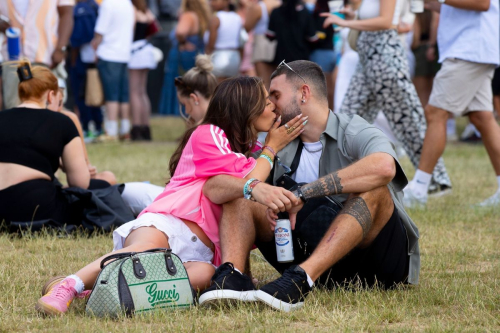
x=201, y=9
x=235, y=105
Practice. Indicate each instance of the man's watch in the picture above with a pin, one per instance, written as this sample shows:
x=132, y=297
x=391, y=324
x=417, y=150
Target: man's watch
x=300, y=195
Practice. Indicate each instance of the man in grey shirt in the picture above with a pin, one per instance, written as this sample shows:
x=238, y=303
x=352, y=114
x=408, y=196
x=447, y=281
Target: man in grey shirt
x=371, y=239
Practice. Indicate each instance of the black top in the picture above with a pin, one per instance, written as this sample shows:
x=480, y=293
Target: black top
x=141, y=30
x=35, y=138
x=294, y=34
x=325, y=41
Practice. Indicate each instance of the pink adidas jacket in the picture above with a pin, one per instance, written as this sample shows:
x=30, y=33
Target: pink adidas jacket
x=206, y=154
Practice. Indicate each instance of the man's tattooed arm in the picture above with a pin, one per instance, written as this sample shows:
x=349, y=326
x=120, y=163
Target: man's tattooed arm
x=358, y=209
x=327, y=185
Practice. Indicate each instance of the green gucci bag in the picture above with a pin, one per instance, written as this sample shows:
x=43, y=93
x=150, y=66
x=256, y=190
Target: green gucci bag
x=138, y=282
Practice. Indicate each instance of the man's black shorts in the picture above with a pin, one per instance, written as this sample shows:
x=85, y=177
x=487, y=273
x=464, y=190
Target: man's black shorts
x=385, y=260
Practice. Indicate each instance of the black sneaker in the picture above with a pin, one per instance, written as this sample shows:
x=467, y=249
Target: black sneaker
x=228, y=285
x=286, y=293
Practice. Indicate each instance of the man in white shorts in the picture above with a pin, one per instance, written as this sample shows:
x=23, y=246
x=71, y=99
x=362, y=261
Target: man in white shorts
x=469, y=43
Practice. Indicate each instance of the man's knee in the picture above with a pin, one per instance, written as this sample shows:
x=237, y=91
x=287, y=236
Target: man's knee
x=481, y=118
x=435, y=115
x=376, y=199
x=380, y=206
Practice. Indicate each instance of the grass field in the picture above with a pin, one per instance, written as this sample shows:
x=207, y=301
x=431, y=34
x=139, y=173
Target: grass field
x=460, y=276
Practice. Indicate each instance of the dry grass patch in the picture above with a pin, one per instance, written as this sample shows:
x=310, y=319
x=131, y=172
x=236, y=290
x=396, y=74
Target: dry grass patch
x=459, y=289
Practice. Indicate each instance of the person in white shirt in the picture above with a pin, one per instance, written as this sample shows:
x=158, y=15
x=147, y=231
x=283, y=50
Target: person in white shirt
x=223, y=39
x=114, y=32
x=469, y=50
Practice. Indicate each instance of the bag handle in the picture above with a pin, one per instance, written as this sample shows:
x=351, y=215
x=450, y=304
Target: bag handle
x=130, y=254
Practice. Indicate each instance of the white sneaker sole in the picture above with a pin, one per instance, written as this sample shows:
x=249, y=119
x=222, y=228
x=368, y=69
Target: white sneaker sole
x=216, y=297
x=276, y=303
x=441, y=193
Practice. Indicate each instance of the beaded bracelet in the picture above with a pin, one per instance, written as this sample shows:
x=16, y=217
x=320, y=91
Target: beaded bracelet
x=271, y=150
x=251, y=187
x=246, y=190
x=263, y=155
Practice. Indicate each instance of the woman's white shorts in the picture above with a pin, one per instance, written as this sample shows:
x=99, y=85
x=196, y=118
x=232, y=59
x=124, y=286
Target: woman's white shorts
x=181, y=239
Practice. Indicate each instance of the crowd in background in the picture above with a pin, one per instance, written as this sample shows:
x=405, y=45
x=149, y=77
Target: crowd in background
x=128, y=46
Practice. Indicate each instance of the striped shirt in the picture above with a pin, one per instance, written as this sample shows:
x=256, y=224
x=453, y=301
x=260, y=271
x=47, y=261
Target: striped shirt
x=38, y=27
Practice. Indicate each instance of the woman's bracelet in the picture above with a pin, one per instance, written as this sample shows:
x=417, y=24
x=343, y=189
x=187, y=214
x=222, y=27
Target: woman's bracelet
x=248, y=188
x=271, y=150
x=268, y=158
x=251, y=187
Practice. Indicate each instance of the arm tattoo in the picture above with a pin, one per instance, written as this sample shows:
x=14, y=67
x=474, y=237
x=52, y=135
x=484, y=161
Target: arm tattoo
x=358, y=209
x=327, y=185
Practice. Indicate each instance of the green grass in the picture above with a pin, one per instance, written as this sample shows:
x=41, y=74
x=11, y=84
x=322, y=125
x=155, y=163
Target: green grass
x=460, y=276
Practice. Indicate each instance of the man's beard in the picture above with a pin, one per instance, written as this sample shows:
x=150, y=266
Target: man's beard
x=290, y=111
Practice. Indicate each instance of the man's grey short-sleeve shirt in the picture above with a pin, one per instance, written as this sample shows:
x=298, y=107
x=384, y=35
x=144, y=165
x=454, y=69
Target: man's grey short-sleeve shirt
x=347, y=139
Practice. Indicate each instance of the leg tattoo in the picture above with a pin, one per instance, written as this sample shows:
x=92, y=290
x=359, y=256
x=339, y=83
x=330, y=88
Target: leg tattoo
x=358, y=209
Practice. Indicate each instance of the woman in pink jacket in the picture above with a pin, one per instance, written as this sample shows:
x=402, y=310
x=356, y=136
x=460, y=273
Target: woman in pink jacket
x=182, y=218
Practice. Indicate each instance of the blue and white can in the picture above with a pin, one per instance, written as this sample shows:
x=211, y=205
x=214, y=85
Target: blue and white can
x=13, y=43
x=283, y=239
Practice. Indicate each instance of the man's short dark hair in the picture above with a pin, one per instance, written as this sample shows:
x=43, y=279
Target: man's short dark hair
x=310, y=72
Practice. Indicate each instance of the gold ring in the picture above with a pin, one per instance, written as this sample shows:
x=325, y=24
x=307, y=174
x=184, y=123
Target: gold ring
x=290, y=130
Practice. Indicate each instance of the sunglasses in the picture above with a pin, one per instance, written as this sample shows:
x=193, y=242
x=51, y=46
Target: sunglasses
x=179, y=83
x=283, y=63
x=287, y=168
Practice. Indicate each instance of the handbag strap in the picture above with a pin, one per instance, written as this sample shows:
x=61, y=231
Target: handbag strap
x=122, y=255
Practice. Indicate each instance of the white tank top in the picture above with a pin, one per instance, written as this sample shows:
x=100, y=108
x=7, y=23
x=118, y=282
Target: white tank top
x=261, y=27
x=228, y=34
x=371, y=9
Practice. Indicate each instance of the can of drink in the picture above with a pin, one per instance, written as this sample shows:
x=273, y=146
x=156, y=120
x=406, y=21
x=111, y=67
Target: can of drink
x=13, y=42
x=283, y=239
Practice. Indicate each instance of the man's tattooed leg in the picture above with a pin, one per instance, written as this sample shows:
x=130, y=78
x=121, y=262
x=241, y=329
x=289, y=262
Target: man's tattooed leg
x=327, y=185
x=358, y=209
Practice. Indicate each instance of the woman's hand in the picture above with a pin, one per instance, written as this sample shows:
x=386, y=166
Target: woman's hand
x=349, y=12
x=333, y=19
x=279, y=137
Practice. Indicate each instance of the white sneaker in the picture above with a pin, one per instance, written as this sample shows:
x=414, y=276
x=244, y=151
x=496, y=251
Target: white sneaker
x=412, y=200
x=494, y=200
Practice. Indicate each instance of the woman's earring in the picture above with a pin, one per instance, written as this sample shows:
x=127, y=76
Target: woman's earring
x=303, y=101
x=196, y=103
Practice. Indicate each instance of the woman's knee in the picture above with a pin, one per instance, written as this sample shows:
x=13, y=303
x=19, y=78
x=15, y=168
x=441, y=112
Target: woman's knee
x=200, y=274
x=107, y=176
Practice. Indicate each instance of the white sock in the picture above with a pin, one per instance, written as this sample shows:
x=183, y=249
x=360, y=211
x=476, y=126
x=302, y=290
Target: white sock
x=111, y=127
x=124, y=126
x=421, y=182
x=79, y=286
x=310, y=281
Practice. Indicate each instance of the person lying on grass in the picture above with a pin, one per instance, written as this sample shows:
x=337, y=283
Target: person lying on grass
x=371, y=239
x=182, y=218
